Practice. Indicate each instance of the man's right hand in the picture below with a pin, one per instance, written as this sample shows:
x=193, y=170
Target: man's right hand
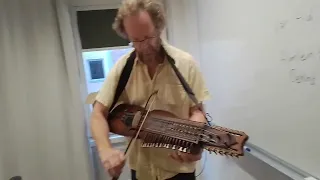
x=113, y=161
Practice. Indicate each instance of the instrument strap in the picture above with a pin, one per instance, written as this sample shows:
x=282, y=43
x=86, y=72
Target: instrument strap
x=185, y=85
x=124, y=77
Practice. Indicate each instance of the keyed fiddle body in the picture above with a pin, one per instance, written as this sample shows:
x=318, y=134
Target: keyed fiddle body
x=162, y=129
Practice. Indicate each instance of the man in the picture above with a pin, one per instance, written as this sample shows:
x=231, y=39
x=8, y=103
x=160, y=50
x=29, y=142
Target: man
x=141, y=22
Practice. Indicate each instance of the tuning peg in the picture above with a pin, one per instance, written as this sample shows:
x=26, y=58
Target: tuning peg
x=235, y=155
x=214, y=151
x=184, y=150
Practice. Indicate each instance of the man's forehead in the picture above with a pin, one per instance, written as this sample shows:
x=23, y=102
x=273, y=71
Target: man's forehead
x=139, y=25
x=141, y=17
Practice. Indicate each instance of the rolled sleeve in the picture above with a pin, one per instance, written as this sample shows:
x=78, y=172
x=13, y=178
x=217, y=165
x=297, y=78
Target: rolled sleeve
x=107, y=91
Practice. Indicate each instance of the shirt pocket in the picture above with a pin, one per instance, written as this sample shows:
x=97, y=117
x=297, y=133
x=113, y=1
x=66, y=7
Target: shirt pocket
x=173, y=94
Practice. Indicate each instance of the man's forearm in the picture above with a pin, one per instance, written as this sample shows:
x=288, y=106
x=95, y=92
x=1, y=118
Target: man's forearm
x=100, y=131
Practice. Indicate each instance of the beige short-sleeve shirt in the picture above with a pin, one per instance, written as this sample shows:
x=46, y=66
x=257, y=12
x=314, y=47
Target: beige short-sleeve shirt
x=154, y=163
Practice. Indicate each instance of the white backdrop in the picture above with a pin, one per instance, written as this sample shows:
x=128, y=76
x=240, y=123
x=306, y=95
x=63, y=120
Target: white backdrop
x=249, y=49
x=42, y=122
x=182, y=25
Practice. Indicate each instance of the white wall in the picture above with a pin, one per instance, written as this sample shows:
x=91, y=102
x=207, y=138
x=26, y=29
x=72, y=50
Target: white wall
x=245, y=168
x=183, y=25
x=189, y=29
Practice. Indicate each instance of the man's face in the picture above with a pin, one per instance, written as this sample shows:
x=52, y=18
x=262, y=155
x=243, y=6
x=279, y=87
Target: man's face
x=142, y=33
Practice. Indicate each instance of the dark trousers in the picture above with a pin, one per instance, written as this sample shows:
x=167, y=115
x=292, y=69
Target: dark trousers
x=181, y=176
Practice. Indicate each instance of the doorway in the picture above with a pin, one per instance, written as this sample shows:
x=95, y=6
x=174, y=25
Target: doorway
x=99, y=48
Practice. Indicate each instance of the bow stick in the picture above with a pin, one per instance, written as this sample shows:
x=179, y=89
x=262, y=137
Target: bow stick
x=133, y=139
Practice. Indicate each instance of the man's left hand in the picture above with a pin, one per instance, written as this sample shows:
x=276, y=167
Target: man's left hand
x=186, y=157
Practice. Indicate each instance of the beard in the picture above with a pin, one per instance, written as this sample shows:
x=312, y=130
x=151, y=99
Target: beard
x=152, y=52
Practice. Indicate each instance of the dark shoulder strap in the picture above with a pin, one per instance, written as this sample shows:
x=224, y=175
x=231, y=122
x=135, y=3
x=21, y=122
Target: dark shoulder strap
x=185, y=85
x=124, y=77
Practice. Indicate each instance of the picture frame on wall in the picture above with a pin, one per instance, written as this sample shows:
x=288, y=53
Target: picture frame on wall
x=96, y=68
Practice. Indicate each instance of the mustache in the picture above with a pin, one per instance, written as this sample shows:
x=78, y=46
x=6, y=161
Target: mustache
x=150, y=50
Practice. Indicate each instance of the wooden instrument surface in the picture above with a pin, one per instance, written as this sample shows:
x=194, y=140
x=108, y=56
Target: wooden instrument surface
x=163, y=130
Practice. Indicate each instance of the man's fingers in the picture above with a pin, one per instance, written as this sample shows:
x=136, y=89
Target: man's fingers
x=122, y=157
x=184, y=157
x=111, y=172
x=117, y=165
x=191, y=158
x=114, y=161
x=115, y=171
x=106, y=164
x=176, y=156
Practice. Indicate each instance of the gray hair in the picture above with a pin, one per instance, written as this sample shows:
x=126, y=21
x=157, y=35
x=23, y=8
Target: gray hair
x=155, y=9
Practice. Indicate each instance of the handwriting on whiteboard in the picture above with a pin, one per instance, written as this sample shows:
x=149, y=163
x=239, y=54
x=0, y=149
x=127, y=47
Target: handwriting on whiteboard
x=308, y=17
x=299, y=57
x=298, y=77
x=297, y=74
x=299, y=47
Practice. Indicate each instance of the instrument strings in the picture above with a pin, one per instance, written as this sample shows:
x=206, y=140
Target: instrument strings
x=137, y=132
x=204, y=130
x=144, y=119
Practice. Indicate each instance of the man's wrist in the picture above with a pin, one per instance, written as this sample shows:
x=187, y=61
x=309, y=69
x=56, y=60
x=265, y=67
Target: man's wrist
x=104, y=146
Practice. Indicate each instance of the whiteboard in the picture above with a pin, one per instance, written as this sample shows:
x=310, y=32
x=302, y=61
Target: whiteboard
x=261, y=62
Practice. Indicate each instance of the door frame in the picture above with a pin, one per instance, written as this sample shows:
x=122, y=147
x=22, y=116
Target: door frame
x=83, y=85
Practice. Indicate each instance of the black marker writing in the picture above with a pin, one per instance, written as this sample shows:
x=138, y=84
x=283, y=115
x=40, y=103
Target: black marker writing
x=301, y=78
